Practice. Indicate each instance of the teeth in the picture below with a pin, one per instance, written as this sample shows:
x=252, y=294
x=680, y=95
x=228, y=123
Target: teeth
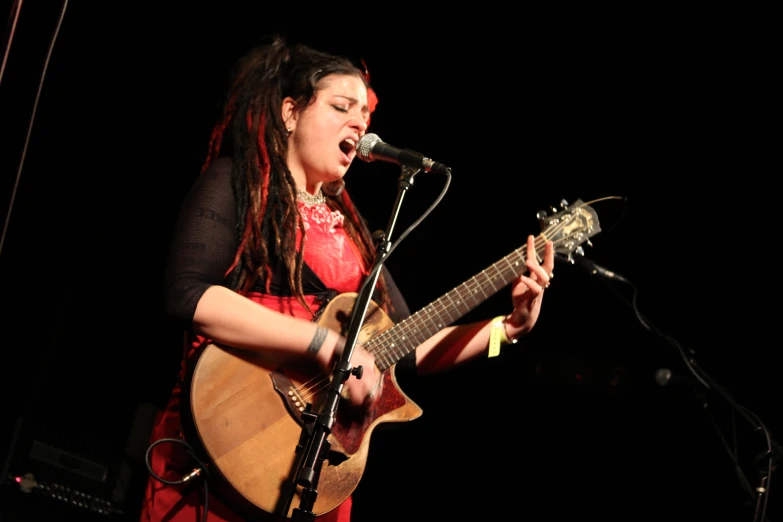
x=351, y=142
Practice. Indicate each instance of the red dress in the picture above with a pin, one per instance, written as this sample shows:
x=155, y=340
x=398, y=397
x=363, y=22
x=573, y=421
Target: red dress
x=331, y=254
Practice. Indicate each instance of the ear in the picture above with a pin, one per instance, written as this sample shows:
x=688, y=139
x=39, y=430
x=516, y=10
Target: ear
x=288, y=111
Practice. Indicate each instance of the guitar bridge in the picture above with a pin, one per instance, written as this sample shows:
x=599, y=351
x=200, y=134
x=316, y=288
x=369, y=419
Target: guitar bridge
x=295, y=404
x=292, y=397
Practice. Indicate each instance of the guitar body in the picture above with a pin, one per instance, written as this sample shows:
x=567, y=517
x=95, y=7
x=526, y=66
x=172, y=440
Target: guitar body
x=246, y=416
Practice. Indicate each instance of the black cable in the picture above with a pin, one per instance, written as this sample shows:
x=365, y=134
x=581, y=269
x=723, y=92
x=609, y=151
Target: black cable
x=197, y=472
x=30, y=127
x=10, y=36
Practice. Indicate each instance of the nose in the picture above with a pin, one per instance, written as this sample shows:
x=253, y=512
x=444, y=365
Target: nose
x=360, y=125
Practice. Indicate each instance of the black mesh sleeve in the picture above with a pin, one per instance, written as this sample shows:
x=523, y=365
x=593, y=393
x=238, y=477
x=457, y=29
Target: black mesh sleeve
x=203, y=244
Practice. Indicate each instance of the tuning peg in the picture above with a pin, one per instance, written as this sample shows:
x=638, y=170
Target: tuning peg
x=541, y=214
x=563, y=204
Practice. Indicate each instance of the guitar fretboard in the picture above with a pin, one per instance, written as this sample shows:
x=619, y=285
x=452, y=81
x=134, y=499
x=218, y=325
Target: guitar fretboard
x=394, y=343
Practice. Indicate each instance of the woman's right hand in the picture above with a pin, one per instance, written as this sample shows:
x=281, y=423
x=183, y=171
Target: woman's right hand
x=364, y=391
x=358, y=392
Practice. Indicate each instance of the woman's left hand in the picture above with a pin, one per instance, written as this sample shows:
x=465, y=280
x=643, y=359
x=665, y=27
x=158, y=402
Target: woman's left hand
x=527, y=290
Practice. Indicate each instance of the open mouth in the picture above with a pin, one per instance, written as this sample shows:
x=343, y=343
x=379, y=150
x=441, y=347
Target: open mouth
x=348, y=146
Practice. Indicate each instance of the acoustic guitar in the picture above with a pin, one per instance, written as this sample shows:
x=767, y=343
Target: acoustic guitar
x=248, y=415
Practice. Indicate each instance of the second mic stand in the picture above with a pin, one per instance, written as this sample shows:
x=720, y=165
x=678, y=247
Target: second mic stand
x=313, y=447
x=767, y=461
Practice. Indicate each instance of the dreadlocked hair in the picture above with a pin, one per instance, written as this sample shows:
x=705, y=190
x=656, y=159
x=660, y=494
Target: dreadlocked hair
x=267, y=213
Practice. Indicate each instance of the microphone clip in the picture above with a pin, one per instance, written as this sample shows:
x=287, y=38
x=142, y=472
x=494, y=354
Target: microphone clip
x=590, y=266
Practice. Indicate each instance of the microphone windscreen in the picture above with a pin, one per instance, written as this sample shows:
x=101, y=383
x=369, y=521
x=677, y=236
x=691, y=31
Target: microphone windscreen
x=365, y=145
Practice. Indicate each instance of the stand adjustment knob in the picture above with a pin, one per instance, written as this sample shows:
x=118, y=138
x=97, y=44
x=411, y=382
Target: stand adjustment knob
x=358, y=371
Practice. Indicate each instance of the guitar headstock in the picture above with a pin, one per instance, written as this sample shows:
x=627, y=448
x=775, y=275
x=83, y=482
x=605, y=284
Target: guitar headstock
x=570, y=227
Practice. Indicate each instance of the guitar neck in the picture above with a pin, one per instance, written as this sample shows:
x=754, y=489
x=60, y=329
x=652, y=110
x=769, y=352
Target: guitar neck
x=394, y=343
x=567, y=230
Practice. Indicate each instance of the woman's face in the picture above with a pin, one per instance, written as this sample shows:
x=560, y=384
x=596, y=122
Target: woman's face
x=323, y=138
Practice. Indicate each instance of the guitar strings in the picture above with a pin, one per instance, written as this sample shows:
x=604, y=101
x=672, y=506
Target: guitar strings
x=317, y=384
x=381, y=349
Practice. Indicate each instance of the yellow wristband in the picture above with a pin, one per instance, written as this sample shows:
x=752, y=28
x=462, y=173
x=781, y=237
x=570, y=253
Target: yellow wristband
x=497, y=336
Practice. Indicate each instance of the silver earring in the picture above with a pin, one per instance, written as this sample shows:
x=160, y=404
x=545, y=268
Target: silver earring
x=289, y=130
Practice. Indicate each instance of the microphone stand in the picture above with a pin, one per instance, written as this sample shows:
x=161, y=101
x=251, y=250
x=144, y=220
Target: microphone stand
x=313, y=447
x=767, y=460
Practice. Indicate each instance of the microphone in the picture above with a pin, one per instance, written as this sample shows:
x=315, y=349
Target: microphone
x=372, y=148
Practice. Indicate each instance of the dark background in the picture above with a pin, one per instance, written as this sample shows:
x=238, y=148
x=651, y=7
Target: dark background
x=671, y=116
